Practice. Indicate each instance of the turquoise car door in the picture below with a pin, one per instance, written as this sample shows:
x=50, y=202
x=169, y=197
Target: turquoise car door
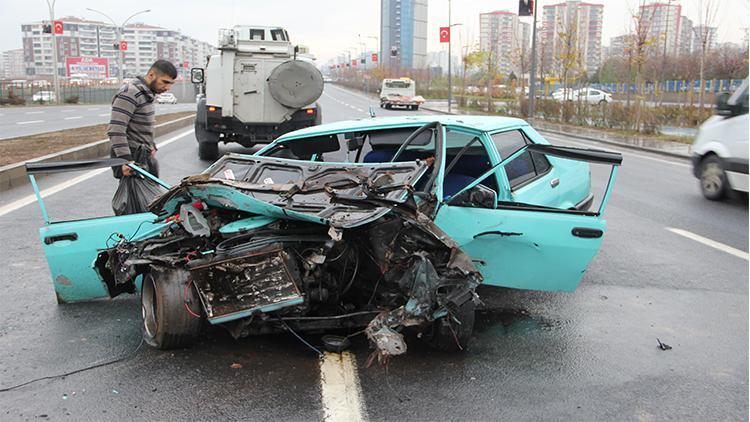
x=72, y=247
x=528, y=246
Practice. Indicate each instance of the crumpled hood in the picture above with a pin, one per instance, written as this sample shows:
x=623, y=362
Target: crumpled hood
x=297, y=190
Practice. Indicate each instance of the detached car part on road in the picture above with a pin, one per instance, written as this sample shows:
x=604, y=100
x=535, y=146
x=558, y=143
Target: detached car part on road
x=392, y=240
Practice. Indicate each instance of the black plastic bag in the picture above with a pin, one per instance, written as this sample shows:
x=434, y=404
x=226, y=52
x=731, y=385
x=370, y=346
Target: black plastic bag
x=134, y=193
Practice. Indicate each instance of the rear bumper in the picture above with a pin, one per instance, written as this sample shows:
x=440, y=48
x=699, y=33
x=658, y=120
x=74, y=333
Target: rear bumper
x=252, y=133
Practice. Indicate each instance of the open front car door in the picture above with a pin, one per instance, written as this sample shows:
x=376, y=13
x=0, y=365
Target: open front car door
x=528, y=246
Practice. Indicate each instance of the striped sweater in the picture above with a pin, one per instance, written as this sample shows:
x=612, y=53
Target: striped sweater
x=132, y=122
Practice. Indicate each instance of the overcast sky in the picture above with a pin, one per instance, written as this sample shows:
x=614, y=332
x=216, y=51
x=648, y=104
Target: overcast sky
x=329, y=27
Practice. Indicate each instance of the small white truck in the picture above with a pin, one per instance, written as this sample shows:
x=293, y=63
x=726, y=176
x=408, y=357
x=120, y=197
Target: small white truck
x=399, y=93
x=256, y=89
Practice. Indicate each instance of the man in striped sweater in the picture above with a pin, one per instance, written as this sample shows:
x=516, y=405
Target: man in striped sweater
x=131, y=126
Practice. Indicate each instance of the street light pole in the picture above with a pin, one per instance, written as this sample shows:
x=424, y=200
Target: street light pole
x=119, y=30
x=450, y=80
x=532, y=76
x=55, y=76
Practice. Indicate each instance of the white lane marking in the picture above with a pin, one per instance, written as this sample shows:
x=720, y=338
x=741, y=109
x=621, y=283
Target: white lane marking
x=34, y=112
x=73, y=118
x=30, y=199
x=92, y=109
x=102, y=115
x=68, y=111
x=29, y=122
x=621, y=151
x=712, y=243
x=340, y=389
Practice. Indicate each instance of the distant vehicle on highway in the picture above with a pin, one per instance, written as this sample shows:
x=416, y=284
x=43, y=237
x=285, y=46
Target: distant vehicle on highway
x=589, y=95
x=400, y=92
x=44, y=97
x=720, y=151
x=166, y=98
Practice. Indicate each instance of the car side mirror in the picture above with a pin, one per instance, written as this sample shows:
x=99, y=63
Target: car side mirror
x=479, y=196
x=196, y=75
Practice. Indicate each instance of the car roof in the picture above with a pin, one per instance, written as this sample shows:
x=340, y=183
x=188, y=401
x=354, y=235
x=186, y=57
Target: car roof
x=482, y=123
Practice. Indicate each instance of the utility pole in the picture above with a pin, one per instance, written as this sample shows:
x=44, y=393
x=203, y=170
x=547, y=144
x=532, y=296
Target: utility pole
x=55, y=76
x=119, y=31
x=532, y=76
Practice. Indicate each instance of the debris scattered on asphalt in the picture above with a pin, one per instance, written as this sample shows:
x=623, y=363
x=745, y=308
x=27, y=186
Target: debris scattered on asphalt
x=663, y=346
x=236, y=365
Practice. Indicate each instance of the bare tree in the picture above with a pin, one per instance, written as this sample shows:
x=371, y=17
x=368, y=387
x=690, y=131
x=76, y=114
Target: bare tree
x=707, y=18
x=637, y=50
x=569, y=54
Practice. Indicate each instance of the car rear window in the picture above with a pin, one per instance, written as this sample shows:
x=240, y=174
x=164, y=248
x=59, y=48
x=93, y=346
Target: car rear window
x=525, y=167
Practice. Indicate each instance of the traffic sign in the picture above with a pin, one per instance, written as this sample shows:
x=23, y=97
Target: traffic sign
x=123, y=45
x=374, y=57
x=58, y=27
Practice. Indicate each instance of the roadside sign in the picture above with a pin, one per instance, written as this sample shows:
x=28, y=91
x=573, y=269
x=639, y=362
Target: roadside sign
x=374, y=57
x=58, y=27
x=185, y=64
x=92, y=67
x=445, y=34
x=354, y=62
x=123, y=45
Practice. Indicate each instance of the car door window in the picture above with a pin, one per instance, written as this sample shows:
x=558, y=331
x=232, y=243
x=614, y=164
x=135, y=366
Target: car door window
x=525, y=167
x=466, y=159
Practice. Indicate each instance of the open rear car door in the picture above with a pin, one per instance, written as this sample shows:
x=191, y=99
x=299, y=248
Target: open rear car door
x=526, y=246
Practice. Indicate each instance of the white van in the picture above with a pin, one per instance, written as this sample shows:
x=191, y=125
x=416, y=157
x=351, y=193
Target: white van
x=720, y=151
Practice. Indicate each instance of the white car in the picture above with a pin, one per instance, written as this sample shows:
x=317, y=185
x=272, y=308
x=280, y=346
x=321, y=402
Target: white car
x=720, y=151
x=590, y=95
x=43, y=97
x=166, y=98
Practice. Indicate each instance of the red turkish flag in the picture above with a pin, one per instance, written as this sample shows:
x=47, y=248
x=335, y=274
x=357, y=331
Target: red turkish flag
x=123, y=46
x=374, y=57
x=445, y=34
x=57, y=27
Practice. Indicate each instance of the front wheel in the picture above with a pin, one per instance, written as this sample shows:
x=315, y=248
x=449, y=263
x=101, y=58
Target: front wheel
x=170, y=309
x=713, y=178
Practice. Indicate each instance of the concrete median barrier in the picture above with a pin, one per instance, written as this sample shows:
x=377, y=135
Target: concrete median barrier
x=14, y=175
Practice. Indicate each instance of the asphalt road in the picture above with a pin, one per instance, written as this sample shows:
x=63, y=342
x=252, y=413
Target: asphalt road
x=587, y=355
x=22, y=121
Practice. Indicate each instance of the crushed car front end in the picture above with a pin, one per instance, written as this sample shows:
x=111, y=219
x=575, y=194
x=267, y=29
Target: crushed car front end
x=260, y=244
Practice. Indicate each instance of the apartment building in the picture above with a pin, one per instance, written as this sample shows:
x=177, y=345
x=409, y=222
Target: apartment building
x=403, y=30
x=94, y=39
x=503, y=35
x=11, y=64
x=662, y=22
x=572, y=28
x=703, y=33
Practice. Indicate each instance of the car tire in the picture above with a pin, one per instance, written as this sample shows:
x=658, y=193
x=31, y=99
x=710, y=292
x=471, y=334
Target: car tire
x=450, y=336
x=713, y=179
x=166, y=297
x=416, y=107
x=602, y=102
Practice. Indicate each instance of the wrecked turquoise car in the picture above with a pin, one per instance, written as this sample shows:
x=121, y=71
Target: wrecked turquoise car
x=388, y=224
